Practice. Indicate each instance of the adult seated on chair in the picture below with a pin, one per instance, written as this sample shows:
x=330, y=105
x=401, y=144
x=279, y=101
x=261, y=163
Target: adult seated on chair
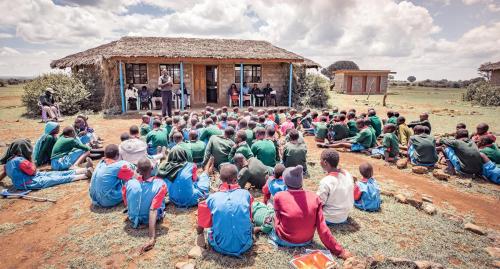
x=247, y=96
x=131, y=96
x=270, y=95
x=144, y=97
x=234, y=95
x=259, y=95
x=48, y=104
x=186, y=96
x=156, y=98
x=185, y=188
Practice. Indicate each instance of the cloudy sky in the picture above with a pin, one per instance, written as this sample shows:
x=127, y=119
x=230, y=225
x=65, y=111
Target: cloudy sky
x=427, y=38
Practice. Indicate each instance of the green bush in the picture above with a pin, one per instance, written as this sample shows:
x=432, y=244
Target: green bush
x=482, y=93
x=309, y=90
x=69, y=92
x=92, y=82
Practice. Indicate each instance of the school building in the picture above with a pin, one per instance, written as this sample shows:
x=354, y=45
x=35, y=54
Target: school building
x=493, y=71
x=361, y=81
x=207, y=67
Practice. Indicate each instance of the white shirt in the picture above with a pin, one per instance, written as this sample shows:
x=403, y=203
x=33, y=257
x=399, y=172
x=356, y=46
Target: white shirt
x=131, y=93
x=166, y=79
x=132, y=150
x=337, y=195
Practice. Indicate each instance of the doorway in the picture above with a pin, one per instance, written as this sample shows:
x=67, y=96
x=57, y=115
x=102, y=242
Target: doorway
x=212, y=83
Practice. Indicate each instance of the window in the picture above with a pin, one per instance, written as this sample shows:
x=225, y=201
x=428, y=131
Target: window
x=173, y=70
x=251, y=73
x=136, y=73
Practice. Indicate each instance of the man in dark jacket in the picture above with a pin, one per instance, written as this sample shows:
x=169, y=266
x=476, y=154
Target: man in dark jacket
x=48, y=104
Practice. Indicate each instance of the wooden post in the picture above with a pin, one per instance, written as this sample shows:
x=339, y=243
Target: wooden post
x=122, y=92
x=290, y=86
x=182, y=86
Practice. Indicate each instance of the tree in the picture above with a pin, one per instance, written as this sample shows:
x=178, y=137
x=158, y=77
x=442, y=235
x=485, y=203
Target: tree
x=411, y=79
x=339, y=65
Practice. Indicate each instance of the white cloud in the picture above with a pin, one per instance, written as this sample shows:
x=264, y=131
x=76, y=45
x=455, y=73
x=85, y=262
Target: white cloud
x=6, y=51
x=6, y=36
x=390, y=34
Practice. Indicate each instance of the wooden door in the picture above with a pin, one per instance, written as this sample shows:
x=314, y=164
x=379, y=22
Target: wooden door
x=199, y=85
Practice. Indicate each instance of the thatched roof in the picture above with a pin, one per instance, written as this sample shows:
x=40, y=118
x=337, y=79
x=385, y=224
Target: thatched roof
x=489, y=66
x=182, y=48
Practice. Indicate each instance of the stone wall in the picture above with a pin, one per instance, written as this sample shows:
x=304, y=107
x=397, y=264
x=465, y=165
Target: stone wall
x=340, y=83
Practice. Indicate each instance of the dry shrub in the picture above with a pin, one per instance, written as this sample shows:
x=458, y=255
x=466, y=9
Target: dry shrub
x=482, y=93
x=70, y=93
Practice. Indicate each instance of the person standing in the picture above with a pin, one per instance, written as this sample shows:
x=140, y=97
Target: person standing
x=165, y=84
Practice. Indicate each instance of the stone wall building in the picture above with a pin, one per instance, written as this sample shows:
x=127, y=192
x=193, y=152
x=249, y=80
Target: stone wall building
x=361, y=81
x=207, y=67
x=493, y=72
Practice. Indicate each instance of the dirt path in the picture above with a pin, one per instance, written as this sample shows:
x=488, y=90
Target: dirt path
x=485, y=208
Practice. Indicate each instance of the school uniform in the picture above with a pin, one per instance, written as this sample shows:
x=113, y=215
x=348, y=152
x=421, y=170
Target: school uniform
x=353, y=129
x=155, y=138
x=404, y=134
x=320, y=131
x=295, y=154
x=376, y=124
x=362, y=140
x=145, y=129
x=208, y=132
x=265, y=151
x=24, y=175
x=140, y=196
x=492, y=152
x=219, y=147
x=422, y=150
x=393, y=120
x=255, y=173
x=272, y=187
x=227, y=213
x=339, y=131
x=298, y=214
x=367, y=195
x=44, y=145
x=336, y=193
x=65, y=152
x=243, y=148
x=187, y=188
x=250, y=136
x=107, y=182
x=391, y=145
x=464, y=155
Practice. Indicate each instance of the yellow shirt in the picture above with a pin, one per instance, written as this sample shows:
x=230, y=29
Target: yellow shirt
x=404, y=134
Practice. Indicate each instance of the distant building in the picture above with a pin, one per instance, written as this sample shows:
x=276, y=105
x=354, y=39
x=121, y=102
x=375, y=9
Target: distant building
x=493, y=71
x=361, y=81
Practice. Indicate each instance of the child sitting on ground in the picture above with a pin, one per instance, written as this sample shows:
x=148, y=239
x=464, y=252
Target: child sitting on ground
x=107, y=181
x=45, y=144
x=366, y=190
x=336, y=189
x=145, y=125
x=24, y=175
x=320, y=129
x=144, y=198
x=68, y=151
x=227, y=216
x=390, y=146
x=157, y=138
x=274, y=184
x=359, y=143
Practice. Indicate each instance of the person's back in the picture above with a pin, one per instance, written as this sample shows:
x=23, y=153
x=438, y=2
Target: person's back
x=20, y=178
x=353, y=130
x=219, y=147
x=341, y=131
x=197, y=151
x=157, y=138
x=132, y=150
x=208, y=132
x=107, y=180
x=295, y=154
x=141, y=195
x=422, y=149
x=255, y=173
x=183, y=191
x=377, y=124
x=469, y=158
x=336, y=193
x=366, y=190
x=265, y=151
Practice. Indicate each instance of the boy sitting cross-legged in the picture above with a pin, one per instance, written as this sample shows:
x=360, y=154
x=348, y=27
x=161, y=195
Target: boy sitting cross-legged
x=361, y=142
x=144, y=198
x=227, y=216
x=366, y=190
x=390, y=145
x=68, y=151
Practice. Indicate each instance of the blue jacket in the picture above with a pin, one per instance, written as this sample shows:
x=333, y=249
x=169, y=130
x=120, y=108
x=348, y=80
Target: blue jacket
x=141, y=196
x=370, y=195
x=107, y=181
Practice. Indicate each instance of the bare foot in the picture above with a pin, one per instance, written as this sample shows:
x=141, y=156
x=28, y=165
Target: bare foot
x=88, y=163
x=89, y=172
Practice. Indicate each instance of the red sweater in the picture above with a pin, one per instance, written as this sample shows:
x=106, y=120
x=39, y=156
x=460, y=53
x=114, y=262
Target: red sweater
x=298, y=213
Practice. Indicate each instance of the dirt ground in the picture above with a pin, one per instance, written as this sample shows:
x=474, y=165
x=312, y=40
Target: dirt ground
x=71, y=233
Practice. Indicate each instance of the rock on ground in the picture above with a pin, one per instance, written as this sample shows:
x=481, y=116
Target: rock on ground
x=429, y=209
x=419, y=169
x=402, y=163
x=401, y=262
x=493, y=251
x=428, y=265
x=400, y=198
x=439, y=174
x=355, y=263
x=427, y=198
x=475, y=229
x=465, y=182
x=415, y=202
x=196, y=252
x=184, y=265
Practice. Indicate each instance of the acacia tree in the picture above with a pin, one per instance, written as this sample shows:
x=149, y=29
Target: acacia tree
x=339, y=65
x=411, y=79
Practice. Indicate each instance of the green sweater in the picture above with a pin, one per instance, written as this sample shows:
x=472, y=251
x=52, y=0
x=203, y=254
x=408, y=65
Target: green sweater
x=243, y=148
x=65, y=145
x=197, y=150
x=265, y=151
x=321, y=130
x=219, y=147
x=391, y=143
x=493, y=153
x=145, y=129
x=45, y=151
x=208, y=132
x=295, y=154
x=353, y=129
x=364, y=137
x=157, y=137
x=377, y=125
x=255, y=172
x=250, y=137
x=187, y=148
